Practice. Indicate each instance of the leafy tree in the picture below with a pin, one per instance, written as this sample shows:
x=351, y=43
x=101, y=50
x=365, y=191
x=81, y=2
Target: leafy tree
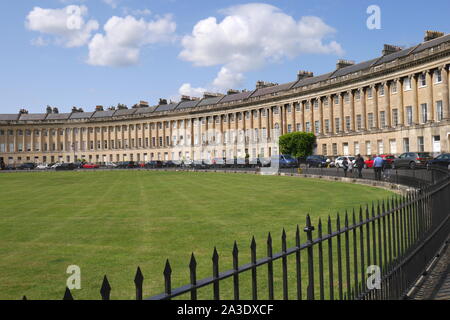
x=297, y=144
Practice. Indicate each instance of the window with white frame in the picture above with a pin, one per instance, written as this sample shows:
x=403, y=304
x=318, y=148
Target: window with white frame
x=316, y=127
x=438, y=76
x=370, y=120
x=424, y=109
x=327, y=126
x=369, y=93
x=381, y=90
x=358, y=122
x=347, y=123
x=368, y=148
x=405, y=144
x=409, y=115
x=382, y=119
x=422, y=80
x=407, y=83
x=420, y=144
x=439, y=111
x=394, y=87
x=395, y=117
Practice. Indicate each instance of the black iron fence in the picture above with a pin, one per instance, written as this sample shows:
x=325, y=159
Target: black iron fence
x=377, y=252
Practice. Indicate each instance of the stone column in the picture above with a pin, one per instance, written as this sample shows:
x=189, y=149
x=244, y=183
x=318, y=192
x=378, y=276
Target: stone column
x=387, y=103
x=321, y=124
x=352, y=110
x=429, y=95
x=341, y=111
x=415, y=106
x=400, y=107
x=376, y=113
x=362, y=99
x=331, y=113
x=445, y=91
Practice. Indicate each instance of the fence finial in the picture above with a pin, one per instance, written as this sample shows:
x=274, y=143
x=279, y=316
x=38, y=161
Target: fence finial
x=105, y=290
x=67, y=295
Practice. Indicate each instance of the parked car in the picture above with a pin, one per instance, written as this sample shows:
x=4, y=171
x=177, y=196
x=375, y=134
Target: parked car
x=154, y=164
x=169, y=164
x=127, y=165
x=412, y=160
x=90, y=166
x=27, y=166
x=442, y=160
x=66, y=167
x=284, y=161
x=10, y=167
x=42, y=166
x=387, y=158
x=110, y=165
x=317, y=161
x=55, y=165
x=339, y=160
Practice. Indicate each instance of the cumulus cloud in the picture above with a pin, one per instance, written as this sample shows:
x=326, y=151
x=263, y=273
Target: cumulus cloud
x=187, y=90
x=66, y=25
x=112, y=3
x=251, y=36
x=123, y=39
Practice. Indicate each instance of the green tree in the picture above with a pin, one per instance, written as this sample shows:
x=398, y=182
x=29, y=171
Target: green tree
x=297, y=144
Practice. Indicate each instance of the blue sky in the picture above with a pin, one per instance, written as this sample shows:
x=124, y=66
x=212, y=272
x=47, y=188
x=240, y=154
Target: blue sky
x=42, y=64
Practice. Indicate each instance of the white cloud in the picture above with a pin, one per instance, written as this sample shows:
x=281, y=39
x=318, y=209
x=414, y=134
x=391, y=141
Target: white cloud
x=136, y=12
x=112, y=3
x=67, y=25
x=251, y=36
x=123, y=39
x=187, y=90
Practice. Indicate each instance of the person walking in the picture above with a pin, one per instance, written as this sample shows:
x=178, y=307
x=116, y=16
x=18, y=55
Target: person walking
x=359, y=163
x=345, y=165
x=378, y=166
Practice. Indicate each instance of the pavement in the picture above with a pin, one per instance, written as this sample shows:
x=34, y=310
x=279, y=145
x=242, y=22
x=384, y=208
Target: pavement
x=436, y=283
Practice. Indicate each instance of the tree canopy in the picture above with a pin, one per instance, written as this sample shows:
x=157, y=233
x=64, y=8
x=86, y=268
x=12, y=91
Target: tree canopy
x=297, y=144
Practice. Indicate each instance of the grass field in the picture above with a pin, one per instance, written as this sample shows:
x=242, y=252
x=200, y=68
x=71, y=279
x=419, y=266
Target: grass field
x=112, y=222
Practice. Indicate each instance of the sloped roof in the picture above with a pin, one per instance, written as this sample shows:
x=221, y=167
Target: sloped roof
x=81, y=115
x=32, y=116
x=103, y=114
x=273, y=89
x=145, y=110
x=9, y=117
x=237, y=96
x=124, y=112
x=58, y=116
x=188, y=104
x=209, y=101
x=167, y=107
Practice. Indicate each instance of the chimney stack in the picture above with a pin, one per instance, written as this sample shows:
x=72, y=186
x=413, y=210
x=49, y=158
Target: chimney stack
x=162, y=101
x=430, y=35
x=232, y=91
x=185, y=98
x=23, y=111
x=302, y=74
x=264, y=84
x=344, y=63
x=388, y=49
x=207, y=95
x=99, y=108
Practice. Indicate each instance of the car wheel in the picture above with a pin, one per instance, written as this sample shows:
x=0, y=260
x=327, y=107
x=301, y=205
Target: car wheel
x=412, y=165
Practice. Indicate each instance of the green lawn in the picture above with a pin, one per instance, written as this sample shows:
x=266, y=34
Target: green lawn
x=112, y=222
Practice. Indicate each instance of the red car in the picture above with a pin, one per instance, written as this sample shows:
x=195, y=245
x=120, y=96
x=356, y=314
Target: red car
x=389, y=158
x=90, y=166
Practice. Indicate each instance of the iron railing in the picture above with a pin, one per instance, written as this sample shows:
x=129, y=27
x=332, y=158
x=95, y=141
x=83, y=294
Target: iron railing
x=400, y=235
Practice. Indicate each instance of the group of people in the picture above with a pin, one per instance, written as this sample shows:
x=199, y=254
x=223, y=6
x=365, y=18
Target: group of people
x=378, y=166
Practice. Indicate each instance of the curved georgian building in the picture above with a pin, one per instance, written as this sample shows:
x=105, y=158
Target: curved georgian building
x=395, y=103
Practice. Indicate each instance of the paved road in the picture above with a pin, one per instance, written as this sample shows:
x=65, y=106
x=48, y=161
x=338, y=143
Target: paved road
x=437, y=282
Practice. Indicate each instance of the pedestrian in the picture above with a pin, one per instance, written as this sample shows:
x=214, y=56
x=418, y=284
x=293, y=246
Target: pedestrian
x=359, y=163
x=345, y=165
x=378, y=166
x=2, y=165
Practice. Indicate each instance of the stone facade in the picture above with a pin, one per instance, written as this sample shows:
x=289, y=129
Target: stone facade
x=395, y=103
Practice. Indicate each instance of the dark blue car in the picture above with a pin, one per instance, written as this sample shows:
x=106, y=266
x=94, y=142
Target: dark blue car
x=284, y=161
x=442, y=160
x=317, y=161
